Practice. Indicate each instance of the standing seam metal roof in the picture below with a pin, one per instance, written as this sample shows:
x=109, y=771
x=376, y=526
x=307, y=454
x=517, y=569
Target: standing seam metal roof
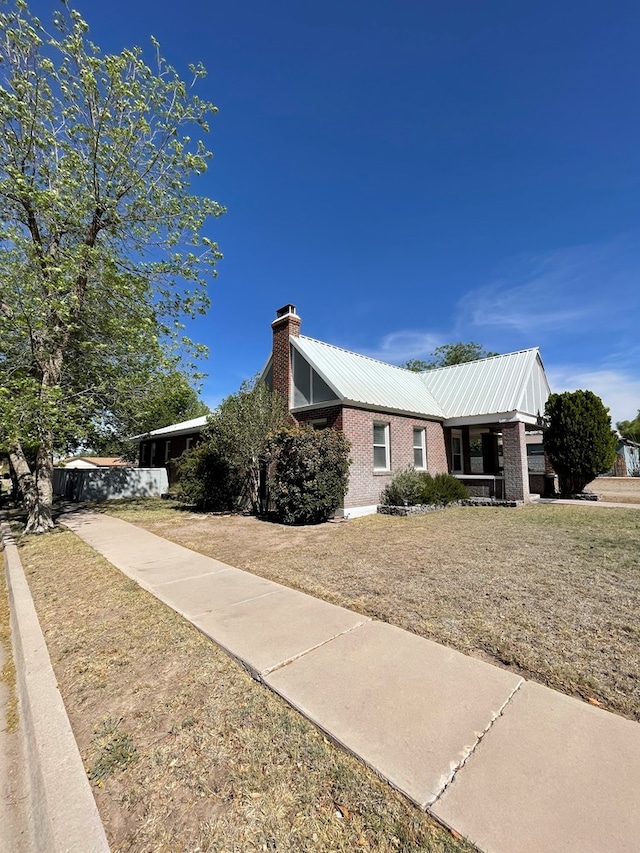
x=489, y=386
x=361, y=379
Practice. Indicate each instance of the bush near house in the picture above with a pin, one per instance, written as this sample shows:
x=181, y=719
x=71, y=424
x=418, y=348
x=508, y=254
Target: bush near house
x=210, y=480
x=409, y=487
x=310, y=474
x=579, y=439
x=223, y=473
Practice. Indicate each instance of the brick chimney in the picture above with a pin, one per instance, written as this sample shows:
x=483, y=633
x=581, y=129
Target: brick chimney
x=287, y=323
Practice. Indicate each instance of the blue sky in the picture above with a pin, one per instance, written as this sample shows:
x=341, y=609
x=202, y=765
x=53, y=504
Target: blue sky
x=416, y=173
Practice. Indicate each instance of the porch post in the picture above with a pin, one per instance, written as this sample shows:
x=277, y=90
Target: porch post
x=516, y=470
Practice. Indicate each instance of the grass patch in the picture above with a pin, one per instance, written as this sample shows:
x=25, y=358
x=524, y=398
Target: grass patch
x=114, y=750
x=551, y=592
x=221, y=764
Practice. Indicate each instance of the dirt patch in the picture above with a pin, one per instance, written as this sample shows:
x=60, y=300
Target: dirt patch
x=184, y=751
x=551, y=592
x=617, y=489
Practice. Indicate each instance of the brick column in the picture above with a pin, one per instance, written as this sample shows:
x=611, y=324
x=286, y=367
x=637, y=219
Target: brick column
x=287, y=323
x=514, y=454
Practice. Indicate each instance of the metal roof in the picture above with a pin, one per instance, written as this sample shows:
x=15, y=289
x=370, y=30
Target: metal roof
x=491, y=386
x=499, y=385
x=194, y=425
x=360, y=379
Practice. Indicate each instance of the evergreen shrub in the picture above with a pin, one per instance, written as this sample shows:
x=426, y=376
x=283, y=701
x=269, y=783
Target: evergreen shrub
x=409, y=487
x=579, y=439
x=309, y=475
x=209, y=479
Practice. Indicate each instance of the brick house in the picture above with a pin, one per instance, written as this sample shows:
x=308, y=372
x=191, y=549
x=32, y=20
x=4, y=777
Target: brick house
x=468, y=419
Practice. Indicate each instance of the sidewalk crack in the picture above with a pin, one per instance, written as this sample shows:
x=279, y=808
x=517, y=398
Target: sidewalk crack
x=269, y=671
x=446, y=782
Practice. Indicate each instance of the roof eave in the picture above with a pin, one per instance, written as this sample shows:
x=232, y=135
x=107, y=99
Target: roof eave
x=492, y=418
x=373, y=407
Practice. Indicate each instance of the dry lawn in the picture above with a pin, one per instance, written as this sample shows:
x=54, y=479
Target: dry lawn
x=184, y=750
x=552, y=592
x=618, y=489
x=7, y=671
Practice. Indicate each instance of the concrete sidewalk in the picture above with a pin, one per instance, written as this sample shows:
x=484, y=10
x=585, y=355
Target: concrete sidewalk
x=509, y=764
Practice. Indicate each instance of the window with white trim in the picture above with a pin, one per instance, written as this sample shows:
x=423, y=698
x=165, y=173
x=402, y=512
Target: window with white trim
x=419, y=449
x=381, y=454
x=456, y=451
x=167, y=451
x=188, y=442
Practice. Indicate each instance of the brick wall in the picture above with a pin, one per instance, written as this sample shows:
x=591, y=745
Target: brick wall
x=620, y=466
x=365, y=485
x=514, y=454
x=332, y=415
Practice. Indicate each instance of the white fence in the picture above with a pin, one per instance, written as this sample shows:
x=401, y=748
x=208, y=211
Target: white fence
x=103, y=484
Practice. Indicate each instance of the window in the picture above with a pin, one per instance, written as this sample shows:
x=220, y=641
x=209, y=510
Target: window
x=535, y=458
x=419, y=449
x=321, y=423
x=381, y=447
x=308, y=386
x=188, y=442
x=456, y=451
x=152, y=455
x=167, y=451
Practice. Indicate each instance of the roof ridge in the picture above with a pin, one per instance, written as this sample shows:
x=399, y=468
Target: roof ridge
x=476, y=360
x=358, y=354
x=406, y=369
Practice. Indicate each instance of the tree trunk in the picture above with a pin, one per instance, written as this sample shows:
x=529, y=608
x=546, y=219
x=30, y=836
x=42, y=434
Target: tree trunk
x=36, y=488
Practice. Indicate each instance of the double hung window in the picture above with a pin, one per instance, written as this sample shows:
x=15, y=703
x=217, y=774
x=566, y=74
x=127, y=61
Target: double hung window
x=381, y=455
x=419, y=449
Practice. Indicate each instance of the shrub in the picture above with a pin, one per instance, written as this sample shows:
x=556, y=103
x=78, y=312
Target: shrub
x=309, y=474
x=579, y=439
x=210, y=480
x=405, y=489
x=409, y=487
x=223, y=472
x=444, y=489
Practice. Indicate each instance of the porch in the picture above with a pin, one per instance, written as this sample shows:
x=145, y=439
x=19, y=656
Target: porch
x=503, y=460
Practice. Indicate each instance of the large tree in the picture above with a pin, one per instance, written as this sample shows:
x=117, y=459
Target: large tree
x=102, y=251
x=223, y=472
x=168, y=398
x=448, y=354
x=630, y=429
x=579, y=439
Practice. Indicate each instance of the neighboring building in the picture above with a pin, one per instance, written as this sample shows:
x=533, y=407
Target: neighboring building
x=468, y=419
x=161, y=447
x=95, y=462
x=627, y=462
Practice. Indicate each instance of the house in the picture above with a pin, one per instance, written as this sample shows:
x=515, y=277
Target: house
x=467, y=419
x=627, y=462
x=93, y=462
x=161, y=447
